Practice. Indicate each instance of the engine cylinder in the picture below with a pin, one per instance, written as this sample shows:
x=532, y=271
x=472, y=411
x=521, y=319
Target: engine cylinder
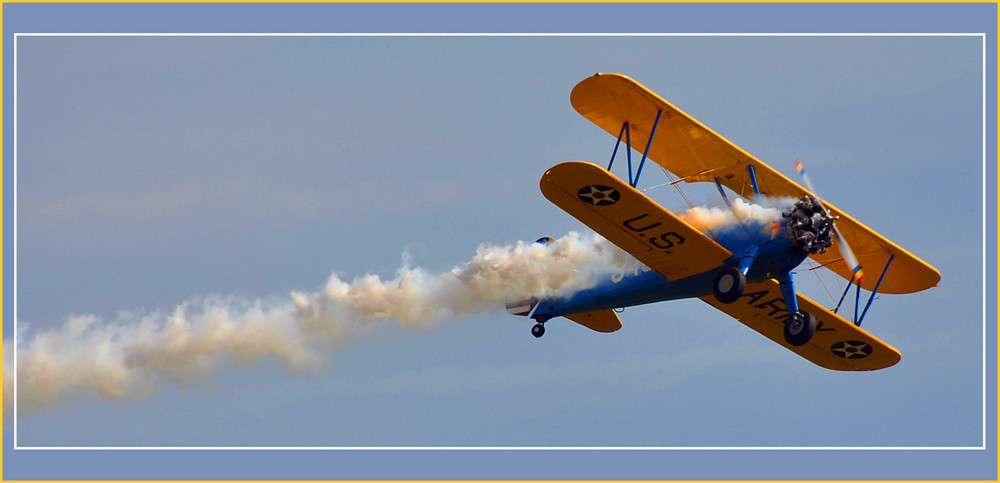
x=809, y=226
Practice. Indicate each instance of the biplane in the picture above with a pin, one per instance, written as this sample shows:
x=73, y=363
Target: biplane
x=744, y=271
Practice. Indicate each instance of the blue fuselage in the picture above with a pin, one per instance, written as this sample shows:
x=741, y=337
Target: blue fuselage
x=775, y=254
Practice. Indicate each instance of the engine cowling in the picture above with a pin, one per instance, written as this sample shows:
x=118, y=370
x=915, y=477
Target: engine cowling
x=809, y=226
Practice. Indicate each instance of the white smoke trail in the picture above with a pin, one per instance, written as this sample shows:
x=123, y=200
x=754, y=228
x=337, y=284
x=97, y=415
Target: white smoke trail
x=131, y=355
x=128, y=357
x=762, y=210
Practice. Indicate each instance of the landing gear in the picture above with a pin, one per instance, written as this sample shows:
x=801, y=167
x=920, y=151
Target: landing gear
x=799, y=328
x=538, y=330
x=729, y=285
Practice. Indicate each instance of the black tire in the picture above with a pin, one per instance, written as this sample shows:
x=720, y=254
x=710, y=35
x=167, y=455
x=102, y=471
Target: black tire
x=538, y=330
x=729, y=285
x=800, y=328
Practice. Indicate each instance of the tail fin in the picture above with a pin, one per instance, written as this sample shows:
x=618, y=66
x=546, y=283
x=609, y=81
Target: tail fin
x=521, y=307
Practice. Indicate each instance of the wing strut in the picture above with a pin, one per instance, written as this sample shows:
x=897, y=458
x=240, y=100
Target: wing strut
x=628, y=149
x=725, y=198
x=626, y=131
x=645, y=153
x=877, y=285
x=753, y=180
x=857, y=294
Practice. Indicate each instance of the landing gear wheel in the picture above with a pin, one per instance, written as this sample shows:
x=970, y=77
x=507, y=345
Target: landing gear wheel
x=729, y=285
x=799, y=328
x=538, y=330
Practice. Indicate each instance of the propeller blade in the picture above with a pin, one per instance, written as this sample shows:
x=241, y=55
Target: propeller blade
x=845, y=250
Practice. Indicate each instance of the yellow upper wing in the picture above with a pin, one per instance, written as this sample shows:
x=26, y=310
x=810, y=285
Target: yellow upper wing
x=837, y=344
x=694, y=152
x=631, y=220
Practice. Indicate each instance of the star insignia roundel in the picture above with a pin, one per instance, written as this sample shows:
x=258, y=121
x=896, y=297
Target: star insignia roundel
x=851, y=349
x=599, y=195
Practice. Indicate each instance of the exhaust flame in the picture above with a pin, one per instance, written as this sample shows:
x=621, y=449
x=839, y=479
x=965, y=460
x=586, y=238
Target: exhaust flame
x=128, y=357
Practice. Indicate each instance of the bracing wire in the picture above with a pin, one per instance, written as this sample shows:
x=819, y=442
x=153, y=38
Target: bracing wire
x=676, y=184
x=812, y=268
x=840, y=289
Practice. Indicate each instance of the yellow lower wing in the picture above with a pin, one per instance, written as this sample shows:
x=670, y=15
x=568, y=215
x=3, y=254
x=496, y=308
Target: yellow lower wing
x=631, y=220
x=837, y=344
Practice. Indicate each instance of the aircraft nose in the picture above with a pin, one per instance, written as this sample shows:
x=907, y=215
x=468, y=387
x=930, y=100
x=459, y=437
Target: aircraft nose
x=809, y=226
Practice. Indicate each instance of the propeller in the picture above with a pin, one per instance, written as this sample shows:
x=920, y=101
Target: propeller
x=845, y=250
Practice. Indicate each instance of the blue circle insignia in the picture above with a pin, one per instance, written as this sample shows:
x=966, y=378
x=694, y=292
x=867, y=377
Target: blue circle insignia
x=851, y=349
x=599, y=195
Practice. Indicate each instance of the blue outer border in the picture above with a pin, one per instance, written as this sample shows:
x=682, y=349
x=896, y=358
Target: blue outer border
x=502, y=18
x=507, y=18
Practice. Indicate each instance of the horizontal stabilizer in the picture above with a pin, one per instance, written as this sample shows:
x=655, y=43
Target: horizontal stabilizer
x=600, y=320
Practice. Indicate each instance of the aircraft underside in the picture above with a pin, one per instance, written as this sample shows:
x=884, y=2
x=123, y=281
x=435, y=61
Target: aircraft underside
x=761, y=251
x=641, y=285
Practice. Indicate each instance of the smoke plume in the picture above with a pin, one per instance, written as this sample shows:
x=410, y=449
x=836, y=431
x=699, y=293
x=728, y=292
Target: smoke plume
x=762, y=210
x=129, y=356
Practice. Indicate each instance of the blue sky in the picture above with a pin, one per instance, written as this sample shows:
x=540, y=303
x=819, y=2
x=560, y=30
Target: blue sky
x=151, y=170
